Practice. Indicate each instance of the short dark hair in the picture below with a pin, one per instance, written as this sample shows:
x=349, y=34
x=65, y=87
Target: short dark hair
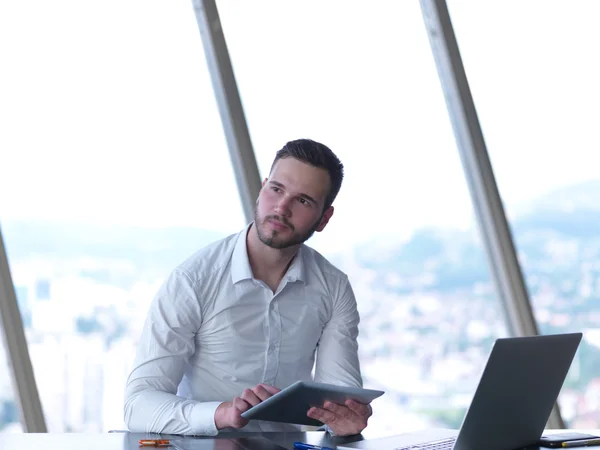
x=317, y=155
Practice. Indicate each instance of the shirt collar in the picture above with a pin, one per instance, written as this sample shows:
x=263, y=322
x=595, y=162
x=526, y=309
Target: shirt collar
x=297, y=270
x=240, y=264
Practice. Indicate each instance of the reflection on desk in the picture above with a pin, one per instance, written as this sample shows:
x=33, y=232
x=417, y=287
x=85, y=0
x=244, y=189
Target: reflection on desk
x=225, y=441
x=129, y=441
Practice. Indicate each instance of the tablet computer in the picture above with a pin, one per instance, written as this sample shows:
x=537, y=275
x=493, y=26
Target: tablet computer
x=292, y=403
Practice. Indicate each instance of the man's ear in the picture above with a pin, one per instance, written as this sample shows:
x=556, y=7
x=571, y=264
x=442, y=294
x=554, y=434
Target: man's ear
x=325, y=219
x=261, y=188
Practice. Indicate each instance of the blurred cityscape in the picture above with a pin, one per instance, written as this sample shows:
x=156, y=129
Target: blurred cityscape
x=428, y=307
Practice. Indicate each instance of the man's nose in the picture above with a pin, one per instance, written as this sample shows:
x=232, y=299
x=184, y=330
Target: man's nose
x=283, y=206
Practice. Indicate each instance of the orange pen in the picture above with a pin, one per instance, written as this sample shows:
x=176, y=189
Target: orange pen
x=154, y=442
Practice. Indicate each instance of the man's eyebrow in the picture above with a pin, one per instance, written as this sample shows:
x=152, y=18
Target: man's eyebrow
x=306, y=196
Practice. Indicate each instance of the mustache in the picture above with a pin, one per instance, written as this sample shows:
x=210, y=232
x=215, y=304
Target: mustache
x=281, y=219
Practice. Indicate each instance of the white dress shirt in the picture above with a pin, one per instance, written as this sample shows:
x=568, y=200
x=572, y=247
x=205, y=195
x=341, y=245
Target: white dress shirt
x=213, y=331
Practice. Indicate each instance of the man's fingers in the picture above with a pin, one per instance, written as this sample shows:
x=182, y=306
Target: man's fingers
x=238, y=407
x=341, y=419
x=270, y=389
x=323, y=415
x=361, y=409
x=250, y=397
x=241, y=405
x=339, y=410
x=261, y=392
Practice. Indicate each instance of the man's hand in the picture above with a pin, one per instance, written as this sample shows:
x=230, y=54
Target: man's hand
x=229, y=414
x=344, y=420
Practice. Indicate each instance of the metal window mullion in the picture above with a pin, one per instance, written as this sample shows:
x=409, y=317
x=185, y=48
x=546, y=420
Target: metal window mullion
x=229, y=103
x=30, y=407
x=497, y=238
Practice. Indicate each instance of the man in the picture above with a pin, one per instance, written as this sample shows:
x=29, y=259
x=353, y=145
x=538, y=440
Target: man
x=246, y=316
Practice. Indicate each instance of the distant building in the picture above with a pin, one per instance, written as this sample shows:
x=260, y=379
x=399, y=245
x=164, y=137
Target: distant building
x=42, y=289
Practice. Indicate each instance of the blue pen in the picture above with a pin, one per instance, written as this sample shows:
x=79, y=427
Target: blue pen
x=303, y=446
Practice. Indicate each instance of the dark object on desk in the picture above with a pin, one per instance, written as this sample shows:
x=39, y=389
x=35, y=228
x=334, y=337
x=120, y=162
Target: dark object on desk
x=239, y=443
x=557, y=440
x=582, y=443
x=292, y=403
x=512, y=403
x=255, y=443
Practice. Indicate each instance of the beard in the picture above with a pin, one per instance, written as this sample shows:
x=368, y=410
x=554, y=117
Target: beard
x=273, y=239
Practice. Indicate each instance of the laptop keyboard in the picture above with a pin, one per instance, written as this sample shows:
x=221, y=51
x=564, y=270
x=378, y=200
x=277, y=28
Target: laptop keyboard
x=444, y=444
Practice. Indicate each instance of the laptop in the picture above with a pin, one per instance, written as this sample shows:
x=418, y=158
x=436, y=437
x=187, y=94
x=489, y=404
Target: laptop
x=517, y=390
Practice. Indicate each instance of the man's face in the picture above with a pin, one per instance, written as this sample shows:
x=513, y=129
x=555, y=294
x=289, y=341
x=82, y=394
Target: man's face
x=290, y=204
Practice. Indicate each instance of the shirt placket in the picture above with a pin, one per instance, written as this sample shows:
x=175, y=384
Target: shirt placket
x=273, y=341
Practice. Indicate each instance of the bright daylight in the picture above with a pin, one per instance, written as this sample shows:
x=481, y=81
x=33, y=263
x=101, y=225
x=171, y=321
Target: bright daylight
x=114, y=169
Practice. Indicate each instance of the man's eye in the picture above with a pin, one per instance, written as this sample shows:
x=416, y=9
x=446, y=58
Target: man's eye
x=275, y=189
x=303, y=201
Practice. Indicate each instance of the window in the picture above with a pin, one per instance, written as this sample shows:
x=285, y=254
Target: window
x=113, y=170
x=363, y=81
x=533, y=73
x=9, y=415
